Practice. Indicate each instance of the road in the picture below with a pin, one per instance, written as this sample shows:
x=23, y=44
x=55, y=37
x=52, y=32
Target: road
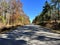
x=30, y=35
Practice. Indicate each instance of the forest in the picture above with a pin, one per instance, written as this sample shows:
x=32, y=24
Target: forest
x=11, y=13
x=50, y=15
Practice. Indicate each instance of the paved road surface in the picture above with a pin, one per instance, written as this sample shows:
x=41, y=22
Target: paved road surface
x=30, y=35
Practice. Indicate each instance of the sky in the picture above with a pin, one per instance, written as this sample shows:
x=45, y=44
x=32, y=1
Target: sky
x=32, y=8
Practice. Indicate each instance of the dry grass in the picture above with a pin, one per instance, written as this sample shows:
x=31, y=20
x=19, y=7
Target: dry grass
x=56, y=31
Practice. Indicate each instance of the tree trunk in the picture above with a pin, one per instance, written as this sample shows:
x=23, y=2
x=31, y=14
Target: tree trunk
x=58, y=11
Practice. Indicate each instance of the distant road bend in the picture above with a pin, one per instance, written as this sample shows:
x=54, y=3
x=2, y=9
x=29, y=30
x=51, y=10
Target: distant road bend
x=30, y=35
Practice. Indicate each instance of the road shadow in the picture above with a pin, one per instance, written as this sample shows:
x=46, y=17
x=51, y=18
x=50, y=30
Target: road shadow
x=44, y=38
x=20, y=31
x=12, y=42
x=28, y=28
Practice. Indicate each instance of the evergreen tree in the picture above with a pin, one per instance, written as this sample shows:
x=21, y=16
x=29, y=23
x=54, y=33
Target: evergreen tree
x=44, y=16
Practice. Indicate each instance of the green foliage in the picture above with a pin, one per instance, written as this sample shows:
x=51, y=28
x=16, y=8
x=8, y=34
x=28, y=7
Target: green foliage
x=44, y=16
x=2, y=19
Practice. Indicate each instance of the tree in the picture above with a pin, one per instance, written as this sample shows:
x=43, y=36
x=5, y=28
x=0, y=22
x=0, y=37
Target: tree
x=12, y=12
x=4, y=10
x=46, y=11
x=56, y=2
x=44, y=16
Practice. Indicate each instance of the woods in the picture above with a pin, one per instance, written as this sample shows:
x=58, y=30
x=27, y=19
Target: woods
x=11, y=13
x=50, y=15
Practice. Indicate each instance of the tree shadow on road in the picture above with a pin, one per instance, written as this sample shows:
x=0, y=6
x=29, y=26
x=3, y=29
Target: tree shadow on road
x=12, y=42
x=44, y=38
x=21, y=31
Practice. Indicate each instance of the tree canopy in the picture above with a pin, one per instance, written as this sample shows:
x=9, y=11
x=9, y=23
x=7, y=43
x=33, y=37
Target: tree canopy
x=12, y=13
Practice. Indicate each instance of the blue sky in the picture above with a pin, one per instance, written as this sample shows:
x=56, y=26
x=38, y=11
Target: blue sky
x=32, y=8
